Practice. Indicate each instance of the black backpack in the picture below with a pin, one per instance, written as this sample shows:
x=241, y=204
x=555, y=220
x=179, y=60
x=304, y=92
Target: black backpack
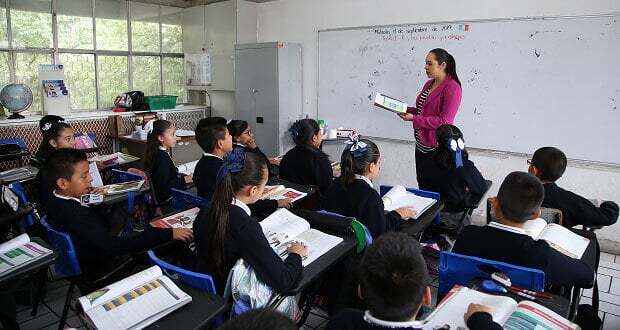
x=137, y=101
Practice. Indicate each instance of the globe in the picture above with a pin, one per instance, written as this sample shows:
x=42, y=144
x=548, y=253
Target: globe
x=16, y=98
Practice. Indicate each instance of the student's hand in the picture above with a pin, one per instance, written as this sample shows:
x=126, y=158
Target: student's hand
x=475, y=308
x=189, y=178
x=252, y=144
x=406, y=212
x=99, y=190
x=298, y=248
x=406, y=116
x=182, y=234
x=286, y=203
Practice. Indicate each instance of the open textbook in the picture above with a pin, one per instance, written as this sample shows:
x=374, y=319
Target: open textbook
x=281, y=192
x=558, y=237
x=525, y=315
x=119, y=188
x=19, y=252
x=134, y=302
x=282, y=227
x=183, y=219
x=399, y=197
x=187, y=168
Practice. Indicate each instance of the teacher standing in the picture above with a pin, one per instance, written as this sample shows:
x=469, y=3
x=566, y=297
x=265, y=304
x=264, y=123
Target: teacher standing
x=436, y=104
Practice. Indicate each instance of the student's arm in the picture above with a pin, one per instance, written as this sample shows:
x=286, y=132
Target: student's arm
x=323, y=173
x=482, y=321
x=563, y=270
x=89, y=227
x=473, y=178
x=377, y=221
x=262, y=208
x=581, y=211
x=279, y=275
x=451, y=99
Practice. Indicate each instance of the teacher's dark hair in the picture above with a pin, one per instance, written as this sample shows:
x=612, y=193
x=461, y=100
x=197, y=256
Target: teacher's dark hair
x=443, y=155
x=349, y=165
x=441, y=55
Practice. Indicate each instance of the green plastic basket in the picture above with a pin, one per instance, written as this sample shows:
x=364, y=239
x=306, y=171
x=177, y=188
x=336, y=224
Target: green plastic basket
x=159, y=102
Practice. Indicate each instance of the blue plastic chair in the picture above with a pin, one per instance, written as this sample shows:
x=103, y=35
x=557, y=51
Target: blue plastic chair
x=182, y=199
x=18, y=189
x=422, y=193
x=18, y=141
x=119, y=176
x=66, y=264
x=197, y=280
x=460, y=269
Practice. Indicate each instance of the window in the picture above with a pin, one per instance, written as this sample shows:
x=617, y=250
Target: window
x=31, y=23
x=111, y=22
x=112, y=78
x=27, y=71
x=174, y=77
x=146, y=74
x=144, y=27
x=80, y=77
x=5, y=73
x=102, y=53
x=4, y=39
x=171, y=30
x=75, y=24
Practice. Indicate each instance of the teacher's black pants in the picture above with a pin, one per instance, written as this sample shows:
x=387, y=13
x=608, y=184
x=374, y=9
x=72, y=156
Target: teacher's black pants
x=420, y=158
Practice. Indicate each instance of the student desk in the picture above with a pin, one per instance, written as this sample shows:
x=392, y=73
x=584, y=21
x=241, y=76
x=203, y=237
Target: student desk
x=202, y=310
x=38, y=265
x=19, y=174
x=120, y=198
x=310, y=202
x=415, y=227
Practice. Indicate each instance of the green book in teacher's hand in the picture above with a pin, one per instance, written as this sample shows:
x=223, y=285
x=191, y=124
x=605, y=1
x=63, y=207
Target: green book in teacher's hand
x=389, y=103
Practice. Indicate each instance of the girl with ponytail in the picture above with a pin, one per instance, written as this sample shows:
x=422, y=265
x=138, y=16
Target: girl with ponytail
x=353, y=194
x=449, y=172
x=159, y=164
x=306, y=164
x=436, y=105
x=225, y=230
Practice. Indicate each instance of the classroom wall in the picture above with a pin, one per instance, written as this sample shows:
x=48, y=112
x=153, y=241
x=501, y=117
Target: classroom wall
x=299, y=21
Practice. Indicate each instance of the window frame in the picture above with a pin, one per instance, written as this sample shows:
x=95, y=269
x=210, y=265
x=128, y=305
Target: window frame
x=55, y=51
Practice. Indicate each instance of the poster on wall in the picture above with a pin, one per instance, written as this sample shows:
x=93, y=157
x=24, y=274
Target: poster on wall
x=198, y=68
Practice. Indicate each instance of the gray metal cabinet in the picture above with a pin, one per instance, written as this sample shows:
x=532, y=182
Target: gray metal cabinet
x=268, y=91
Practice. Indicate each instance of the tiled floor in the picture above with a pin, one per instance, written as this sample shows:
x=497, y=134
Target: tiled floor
x=608, y=284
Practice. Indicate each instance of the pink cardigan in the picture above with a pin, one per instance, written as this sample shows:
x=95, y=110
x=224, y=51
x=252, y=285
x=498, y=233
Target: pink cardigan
x=440, y=108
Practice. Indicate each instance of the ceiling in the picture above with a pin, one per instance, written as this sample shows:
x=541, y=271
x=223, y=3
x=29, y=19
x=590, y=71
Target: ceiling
x=188, y=3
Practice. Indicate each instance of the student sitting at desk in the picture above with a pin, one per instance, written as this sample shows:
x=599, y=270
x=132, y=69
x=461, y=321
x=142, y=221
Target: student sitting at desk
x=97, y=249
x=449, y=172
x=56, y=135
x=242, y=136
x=159, y=164
x=548, y=164
x=394, y=288
x=225, y=230
x=213, y=137
x=353, y=194
x=306, y=163
x=518, y=201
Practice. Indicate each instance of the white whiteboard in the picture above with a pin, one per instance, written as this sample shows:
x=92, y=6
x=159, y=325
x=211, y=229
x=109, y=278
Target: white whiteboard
x=526, y=83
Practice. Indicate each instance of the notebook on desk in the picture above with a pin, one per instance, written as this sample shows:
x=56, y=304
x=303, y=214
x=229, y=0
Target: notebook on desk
x=281, y=192
x=16, y=174
x=183, y=219
x=134, y=302
x=20, y=252
x=187, y=168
